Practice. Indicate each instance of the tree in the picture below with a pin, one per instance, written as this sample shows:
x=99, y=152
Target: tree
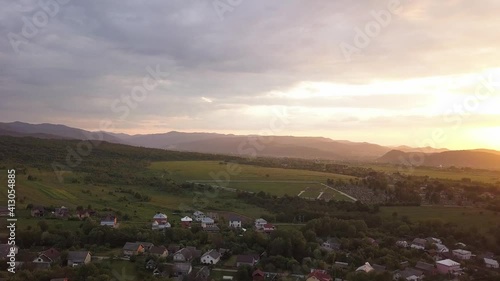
x=244, y=273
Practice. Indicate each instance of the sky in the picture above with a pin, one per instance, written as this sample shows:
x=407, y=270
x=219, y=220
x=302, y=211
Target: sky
x=407, y=72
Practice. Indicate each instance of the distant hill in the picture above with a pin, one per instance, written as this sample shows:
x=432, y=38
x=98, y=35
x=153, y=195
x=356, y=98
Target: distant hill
x=251, y=145
x=460, y=158
x=51, y=131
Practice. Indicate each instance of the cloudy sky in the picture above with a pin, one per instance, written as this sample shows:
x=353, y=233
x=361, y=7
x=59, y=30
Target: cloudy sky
x=384, y=71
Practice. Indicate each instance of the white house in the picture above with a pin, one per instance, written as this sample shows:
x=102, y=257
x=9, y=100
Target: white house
x=418, y=243
x=490, y=263
x=210, y=257
x=402, y=244
x=198, y=215
x=235, y=222
x=259, y=223
x=462, y=254
x=160, y=221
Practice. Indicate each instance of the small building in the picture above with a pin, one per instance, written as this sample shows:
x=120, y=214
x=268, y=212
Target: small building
x=76, y=258
x=61, y=213
x=418, y=243
x=132, y=249
x=490, y=263
x=269, y=227
x=331, y=244
x=441, y=248
x=259, y=223
x=146, y=245
x=448, y=266
x=211, y=257
x=250, y=260
x=47, y=257
x=37, y=211
x=109, y=220
x=402, y=244
x=186, y=254
x=186, y=222
x=206, y=221
x=365, y=268
x=462, y=254
x=427, y=268
x=158, y=251
x=235, y=221
x=198, y=215
x=160, y=221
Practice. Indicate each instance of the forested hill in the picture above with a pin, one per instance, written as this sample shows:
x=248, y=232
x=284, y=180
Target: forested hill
x=98, y=158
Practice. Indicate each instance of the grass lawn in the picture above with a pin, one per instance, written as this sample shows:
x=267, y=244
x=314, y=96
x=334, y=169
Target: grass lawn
x=468, y=217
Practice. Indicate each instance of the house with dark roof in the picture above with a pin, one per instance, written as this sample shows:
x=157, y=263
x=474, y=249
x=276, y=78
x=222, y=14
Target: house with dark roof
x=258, y=275
x=158, y=251
x=211, y=257
x=408, y=274
x=250, y=260
x=132, y=249
x=235, y=221
x=182, y=269
x=109, y=220
x=61, y=213
x=46, y=258
x=211, y=228
x=76, y=258
x=187, y=254
x=203, y=274
x=146, y=245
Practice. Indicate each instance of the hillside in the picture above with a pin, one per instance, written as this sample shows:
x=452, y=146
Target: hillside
x=462, y=158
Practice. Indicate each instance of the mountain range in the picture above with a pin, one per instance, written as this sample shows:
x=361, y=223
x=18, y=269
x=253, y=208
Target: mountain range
x=271, y=146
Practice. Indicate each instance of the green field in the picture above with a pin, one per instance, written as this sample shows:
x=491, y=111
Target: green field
x=48, y=191
x=275, y=181
x=485, y=176
x=467, y=217
x=211, y=170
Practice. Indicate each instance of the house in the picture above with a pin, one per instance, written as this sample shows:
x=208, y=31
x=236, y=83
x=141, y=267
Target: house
x=441, y=248
x=402, y=244
x=82, y=214
x=151, y=264
x=47, y=257
x=235, y=221
x=259, y=223
x=269, y=227
x=250, y=260
x=258, y=275
x=186, y=222
x=318, y=275
x=61, y=213
x=448, y=266
x=206, y=221
x=408, y=274
x=331, y=244
x=418, y=243
x=198, y=215
x=76, y=258
x=186, y=254
x=365, y=268
x=146, y=245
x=490, y=263
x=211, y=228
x=158, y=251
x=109, y=220
x=427, y=268
x=132, y=249
x=462, y=254
x=160, y=221
x=37, y=211
x=182, y=269
x=211, y=257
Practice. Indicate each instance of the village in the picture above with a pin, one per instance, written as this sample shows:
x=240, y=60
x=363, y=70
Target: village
x=439, y=260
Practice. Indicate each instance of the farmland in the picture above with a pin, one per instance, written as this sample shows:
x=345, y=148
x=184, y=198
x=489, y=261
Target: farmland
x=275, y=181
